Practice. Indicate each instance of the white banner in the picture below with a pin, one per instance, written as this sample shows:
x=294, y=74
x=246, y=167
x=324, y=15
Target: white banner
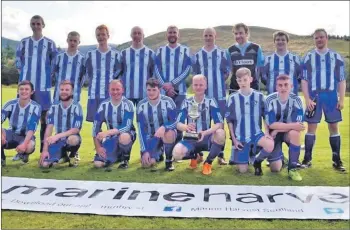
x=175, y=200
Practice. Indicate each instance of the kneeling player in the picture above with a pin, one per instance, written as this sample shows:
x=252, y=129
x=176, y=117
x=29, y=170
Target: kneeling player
x=156, y=118
x=244, y=113
x=23, y=114
x=212, y=138
x=67, y=118
x=284, y=115
x=116, y=142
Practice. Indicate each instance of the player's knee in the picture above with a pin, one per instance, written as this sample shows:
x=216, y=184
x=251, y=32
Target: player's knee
x=179, y=151
x=124, y=138
x=220, y=136
x=45, y=164
x=169, y=136
x=269, y=146
x=294, y=135
x=30, y=148
x=276, y=166
x=98, y=164
x=73, y=140
x=333, y=128
x=243, y=168
x=311, y=128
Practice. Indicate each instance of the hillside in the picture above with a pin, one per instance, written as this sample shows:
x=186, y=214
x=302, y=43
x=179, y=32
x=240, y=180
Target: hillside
x=193, y=38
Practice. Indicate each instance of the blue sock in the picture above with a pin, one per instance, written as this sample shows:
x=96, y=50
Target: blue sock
x=294, y=152
x=125, y=151
x=3, y=157
x=214, y=151
x=335, y=145
x=154, y=145
x=309, y=144
x=168, y=149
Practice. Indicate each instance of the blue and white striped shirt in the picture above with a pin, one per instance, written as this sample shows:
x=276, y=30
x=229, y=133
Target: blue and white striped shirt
x=173, y=65
x=115, y=116
x=21, y=120
x=151, y=117
x=137, y=67
x=70, y=68
x=275, y=65
x=323, y=71
x=215, y=65
x=34, y=59
x=101, y=69
x=246, y=114
x=65, y=119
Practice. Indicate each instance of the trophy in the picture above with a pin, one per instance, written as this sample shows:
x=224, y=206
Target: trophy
x=194, y=114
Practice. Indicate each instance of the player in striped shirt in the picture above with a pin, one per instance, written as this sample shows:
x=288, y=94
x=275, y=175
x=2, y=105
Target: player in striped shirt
x=23, y=114
x=245, y=54
x=69, y=65
x=102, y=66
x=215, y=64
x=212, y=136
x=114, y=144
x=323, y=86
x=281, y=62
x=66, y=116
x=244, y=114
x=285, y=116
x=173, y=66
x=137, y=66
x=156, y=119
x=34, y=60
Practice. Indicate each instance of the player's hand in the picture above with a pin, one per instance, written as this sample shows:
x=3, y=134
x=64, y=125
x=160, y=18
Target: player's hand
x=3, y=137
x=310, y=105
x=299, y=126
x=237, y=144
x=202, y=134
x=51, y=140
x=146, y=160
x=191, y=127
x=167, y=86
x=160, y=132
x=21, y=148
x=340, y=105
x=44, y=155
x=102, y=152
x=171, y=92
x=102, y=135
x=269, y=136
x=273, y=134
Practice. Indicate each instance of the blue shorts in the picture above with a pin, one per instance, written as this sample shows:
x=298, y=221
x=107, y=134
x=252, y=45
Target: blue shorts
x=326, y=102
x=92, y=107
x=242, y=156
x=59, y=150
x=43, y=98
x=277, y=153
x=112, y=150
x=195, y=147
x=13, y=140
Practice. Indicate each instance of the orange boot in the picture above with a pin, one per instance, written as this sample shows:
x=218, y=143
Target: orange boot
x=206, y=169
x=193, y=164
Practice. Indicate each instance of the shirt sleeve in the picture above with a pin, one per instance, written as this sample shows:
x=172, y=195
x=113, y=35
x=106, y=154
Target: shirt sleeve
x=261, y=59
x=78, y=117
x=34, y=119
x=117, y=65
x=127, y=119
x=99, y=119
x=171, y=113
x=298, y=111
x=215, y=112
x=50, y=116
x=270, y=113
x=306, y=68
x=158, y=67
x=141, y=123
x=230, y=110
x=186, y=69
x=19, y=55
x=6, y=111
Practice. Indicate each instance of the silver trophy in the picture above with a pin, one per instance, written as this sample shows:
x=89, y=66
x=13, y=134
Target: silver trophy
x=194, y=114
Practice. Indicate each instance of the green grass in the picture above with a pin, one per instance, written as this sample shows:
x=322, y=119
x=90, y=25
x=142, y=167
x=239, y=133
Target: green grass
x=321, y=174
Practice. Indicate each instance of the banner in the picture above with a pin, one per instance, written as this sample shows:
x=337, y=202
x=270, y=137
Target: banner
x=175, y=200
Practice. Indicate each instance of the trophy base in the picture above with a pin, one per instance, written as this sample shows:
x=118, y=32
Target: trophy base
x=192, y=136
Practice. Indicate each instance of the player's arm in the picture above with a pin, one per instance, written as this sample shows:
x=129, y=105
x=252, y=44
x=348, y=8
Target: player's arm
x=127, y=119
x=142, y=132
x=181, y=119
x=217, y=118
x=99, y=119
x=158, y=67
x=186, y=68
x=82, y=73
x=53, y=54
x=260, y=64
x=342, y=83
x=306, y=71
x=19, y=56
x=5, y=113
x=265, y=71
x=298, y=68
x=172, y=118
x=117, y=68
x=48, y=132
x=227, y=64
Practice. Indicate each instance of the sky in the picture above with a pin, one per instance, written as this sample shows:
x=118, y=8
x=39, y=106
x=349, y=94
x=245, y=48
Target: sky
x=61, y=17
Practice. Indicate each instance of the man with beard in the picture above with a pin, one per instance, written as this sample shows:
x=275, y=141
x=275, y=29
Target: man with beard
x=66, y=116
x=102, y=66
x=137, y=66
x=322, y=83
x=156, y=119
x=23, y=114
x=215, y=64
x=116, y=142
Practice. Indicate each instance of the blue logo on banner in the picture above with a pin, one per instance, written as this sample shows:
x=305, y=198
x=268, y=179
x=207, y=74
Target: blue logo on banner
x=172, y=209
x=333, y=210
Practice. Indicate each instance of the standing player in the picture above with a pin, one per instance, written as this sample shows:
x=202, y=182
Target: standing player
x=215, y=64
x=173, y=66
x=116, y=142
x=23, y=114
x=34, y=59
x=245, y=54
x=66, y=116
x=323, y=81
x=156, y=119
x=284, y=116
x=244, y=113
x=137, y=66
x=102, y=66
x=212, y=137
x=69, y=65
x=281, y=62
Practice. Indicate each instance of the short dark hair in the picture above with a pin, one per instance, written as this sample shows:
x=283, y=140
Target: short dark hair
x=282, y=77
x=241, y=25
x=73, y=33
x=320, y=30
x=26, y=82
x=280, y=34
x=38, y=17
x=153, y=82
x=67, y=82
